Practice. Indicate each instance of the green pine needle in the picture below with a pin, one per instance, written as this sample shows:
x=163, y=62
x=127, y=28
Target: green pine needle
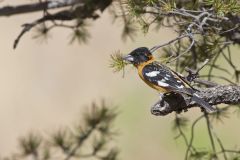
x=117, y=63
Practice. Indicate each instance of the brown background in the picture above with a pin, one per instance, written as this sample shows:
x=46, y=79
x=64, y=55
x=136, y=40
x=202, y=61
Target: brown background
x=44, y=86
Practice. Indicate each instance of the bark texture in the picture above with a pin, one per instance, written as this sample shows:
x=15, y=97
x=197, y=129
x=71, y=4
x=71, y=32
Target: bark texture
x=226, y=94
x=35, y=7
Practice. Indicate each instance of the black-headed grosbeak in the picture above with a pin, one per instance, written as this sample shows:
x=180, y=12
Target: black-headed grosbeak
x=162, y=78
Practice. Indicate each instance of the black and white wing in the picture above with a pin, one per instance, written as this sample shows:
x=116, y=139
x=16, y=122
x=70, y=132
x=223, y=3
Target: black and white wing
x=161, y=76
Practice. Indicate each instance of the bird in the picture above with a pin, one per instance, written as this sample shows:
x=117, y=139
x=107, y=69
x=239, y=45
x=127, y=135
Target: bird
x=162, y=78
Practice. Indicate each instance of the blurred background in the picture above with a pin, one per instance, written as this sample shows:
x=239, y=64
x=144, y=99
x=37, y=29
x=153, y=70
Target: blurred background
x=47, y=84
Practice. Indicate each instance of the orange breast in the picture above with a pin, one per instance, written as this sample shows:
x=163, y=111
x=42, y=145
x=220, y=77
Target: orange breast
x=158, y=88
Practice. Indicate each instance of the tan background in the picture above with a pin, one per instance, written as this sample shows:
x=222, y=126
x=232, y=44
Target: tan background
x=44, y=86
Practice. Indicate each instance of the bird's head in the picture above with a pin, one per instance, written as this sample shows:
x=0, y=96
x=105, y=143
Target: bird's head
x=139, y=56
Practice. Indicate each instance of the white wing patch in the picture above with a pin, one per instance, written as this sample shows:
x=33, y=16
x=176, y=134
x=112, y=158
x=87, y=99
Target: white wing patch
x=160, y=83
x=163, y=80
x=197, y=95
x=180, y=86
x=152, y=74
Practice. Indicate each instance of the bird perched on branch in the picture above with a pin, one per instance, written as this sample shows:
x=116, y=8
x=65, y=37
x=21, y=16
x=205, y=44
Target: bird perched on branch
x=162, y=78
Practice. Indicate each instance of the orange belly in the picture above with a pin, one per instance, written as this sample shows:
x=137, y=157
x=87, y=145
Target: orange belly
x=159, y=89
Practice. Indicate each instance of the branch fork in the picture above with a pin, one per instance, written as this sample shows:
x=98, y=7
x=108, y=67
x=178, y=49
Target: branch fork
x=215, y=94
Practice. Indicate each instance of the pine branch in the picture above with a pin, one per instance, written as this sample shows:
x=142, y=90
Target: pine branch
x=35, y=7
x=81, y=12
x=220, y=94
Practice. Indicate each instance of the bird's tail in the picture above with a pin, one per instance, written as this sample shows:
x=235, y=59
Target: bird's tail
x=196, y=98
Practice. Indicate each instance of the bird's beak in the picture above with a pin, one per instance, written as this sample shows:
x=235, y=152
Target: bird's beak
x=128, y=58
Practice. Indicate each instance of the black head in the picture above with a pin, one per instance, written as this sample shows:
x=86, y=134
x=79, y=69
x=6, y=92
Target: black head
x=138, y=56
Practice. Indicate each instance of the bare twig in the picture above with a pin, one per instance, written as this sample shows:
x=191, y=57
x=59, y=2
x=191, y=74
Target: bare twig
x=168, y=43
x=80, y=12
x=205, y=82
x=190, y=145
x=222, y=147
x=186, y=51
x=181, y=133
x=210, y=133
x=34, y=7
x=193, y=74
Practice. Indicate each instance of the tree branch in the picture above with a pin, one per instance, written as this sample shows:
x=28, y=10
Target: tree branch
x=35, y=7
x=226, y=94
x=80, y=12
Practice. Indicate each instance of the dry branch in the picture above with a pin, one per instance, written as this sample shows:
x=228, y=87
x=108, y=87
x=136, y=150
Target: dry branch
x=35, y=7
x=81, y=12
x=221, y=94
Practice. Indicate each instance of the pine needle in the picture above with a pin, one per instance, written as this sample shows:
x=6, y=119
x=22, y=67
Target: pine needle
x=117, y=63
